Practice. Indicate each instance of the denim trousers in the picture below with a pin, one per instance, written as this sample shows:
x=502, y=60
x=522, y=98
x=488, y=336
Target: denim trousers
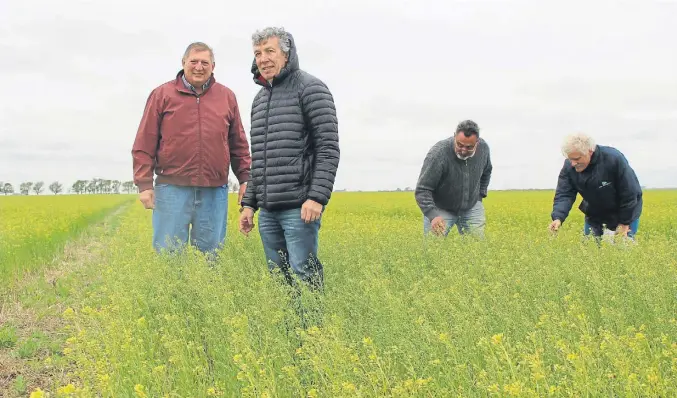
x=182, y=212
x=471, y=221
x=290, y=245
x=597, y=230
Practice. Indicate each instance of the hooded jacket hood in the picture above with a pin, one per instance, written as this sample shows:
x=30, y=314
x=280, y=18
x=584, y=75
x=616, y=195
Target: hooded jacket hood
x=291, y=66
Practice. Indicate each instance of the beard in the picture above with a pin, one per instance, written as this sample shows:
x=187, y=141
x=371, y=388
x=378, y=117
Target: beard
x=458, y=155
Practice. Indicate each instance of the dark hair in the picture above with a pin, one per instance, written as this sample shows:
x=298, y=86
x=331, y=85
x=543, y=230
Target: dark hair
x=468, y=127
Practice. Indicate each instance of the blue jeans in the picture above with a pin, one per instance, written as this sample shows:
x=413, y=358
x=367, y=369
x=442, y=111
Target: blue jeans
x=472, y=220
x=177, y=208
x=290, y=242
x=597, y=230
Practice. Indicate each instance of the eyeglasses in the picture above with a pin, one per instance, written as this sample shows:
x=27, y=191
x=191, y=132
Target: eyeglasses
x=466, y=147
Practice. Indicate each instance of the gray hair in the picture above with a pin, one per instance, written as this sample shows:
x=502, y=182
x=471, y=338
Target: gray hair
x=262, y=35
x=199, y=46
x=577, y=142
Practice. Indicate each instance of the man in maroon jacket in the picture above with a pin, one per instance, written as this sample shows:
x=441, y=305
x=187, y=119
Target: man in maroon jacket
x=189, y=135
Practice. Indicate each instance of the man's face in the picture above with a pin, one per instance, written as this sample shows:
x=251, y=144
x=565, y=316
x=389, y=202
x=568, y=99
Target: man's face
x=269, y=58
x=579, y=161
x=198, y=67
x=464, y=146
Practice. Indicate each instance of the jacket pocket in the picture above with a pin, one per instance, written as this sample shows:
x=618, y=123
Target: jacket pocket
x=165, y=155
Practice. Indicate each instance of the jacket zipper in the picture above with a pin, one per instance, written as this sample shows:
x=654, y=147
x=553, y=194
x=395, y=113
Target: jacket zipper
x=265, y=151
x=199, y=129
x=466, y=186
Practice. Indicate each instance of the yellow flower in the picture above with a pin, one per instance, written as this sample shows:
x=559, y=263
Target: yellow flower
x=422, y=382
x=314, y=330
x=67, y=389
x=348, y=387
x=139, y=390
x=513, y=389
x=497, y=339
x=69, y=313
x=37, y=393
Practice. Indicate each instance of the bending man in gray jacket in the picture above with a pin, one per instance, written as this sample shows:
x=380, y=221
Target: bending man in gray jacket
x=453, y=181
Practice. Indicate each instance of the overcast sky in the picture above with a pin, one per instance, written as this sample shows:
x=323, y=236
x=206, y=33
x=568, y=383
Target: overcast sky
x=76, y=75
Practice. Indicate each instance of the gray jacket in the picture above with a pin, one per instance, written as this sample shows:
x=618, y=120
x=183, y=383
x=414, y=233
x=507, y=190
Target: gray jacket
x=294, y=140
x=449, y=183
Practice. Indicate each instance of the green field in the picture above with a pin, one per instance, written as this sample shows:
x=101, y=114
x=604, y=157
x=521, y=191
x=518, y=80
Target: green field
x=521, y=313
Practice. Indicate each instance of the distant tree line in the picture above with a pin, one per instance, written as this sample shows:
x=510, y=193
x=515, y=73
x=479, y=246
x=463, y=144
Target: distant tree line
x=93, y=186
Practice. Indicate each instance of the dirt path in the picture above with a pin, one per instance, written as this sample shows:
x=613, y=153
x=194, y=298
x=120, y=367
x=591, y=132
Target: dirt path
x=31, y=323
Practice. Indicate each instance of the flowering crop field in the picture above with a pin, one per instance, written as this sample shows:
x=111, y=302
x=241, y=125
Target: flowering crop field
x=33, y=227
x=521, y=313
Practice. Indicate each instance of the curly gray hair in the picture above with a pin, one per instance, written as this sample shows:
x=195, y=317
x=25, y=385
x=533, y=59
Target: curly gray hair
x=577, y=142
x=264, y=34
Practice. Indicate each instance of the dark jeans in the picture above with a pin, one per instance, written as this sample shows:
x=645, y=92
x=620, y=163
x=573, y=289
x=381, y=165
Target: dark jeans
x=290, y=244
x=597, y=229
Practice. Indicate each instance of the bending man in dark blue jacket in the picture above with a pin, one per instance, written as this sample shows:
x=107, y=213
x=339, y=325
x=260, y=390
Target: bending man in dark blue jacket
x=611, y=193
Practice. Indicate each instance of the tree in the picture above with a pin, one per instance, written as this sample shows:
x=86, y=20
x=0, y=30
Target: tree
x=233, y=185
x=38, y=187
x=7, y=188
x=128, y=186
x=116, y=186
x=91, y=186
x=106, y=186
x=25, y=188
x=55, y=187
x=79, y=186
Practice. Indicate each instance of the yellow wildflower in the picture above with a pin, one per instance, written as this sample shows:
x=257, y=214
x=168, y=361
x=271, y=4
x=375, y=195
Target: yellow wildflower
x=497, y=339
x=37, y=393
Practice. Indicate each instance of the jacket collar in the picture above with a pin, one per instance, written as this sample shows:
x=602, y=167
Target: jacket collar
x=595, y=155
x=185, y=86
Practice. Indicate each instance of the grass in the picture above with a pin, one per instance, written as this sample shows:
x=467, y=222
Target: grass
x=522, y=313
x=33, y=228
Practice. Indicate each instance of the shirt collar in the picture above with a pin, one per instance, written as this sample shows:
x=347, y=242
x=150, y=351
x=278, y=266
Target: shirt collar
x=191, y=87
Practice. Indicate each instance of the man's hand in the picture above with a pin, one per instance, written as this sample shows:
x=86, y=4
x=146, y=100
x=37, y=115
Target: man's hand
x=438, y=225
x=147, y=197
x=246, y=221
x=310, y=211
x=622, y=230
x=554, y=226
x=243, y=188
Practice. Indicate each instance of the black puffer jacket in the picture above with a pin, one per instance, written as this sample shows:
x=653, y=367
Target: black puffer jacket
x=294, y=140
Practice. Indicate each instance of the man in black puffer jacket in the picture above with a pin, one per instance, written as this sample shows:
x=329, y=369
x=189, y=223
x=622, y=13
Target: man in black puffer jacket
x=295, y=155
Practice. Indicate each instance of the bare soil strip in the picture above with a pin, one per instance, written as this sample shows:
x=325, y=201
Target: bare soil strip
x=31, y=323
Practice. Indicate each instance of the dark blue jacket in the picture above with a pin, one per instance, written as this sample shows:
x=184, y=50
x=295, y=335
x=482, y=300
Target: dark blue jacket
x=609, y=187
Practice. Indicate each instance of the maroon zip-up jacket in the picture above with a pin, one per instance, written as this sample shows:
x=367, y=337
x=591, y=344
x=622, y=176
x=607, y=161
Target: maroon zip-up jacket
x=190, y=140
